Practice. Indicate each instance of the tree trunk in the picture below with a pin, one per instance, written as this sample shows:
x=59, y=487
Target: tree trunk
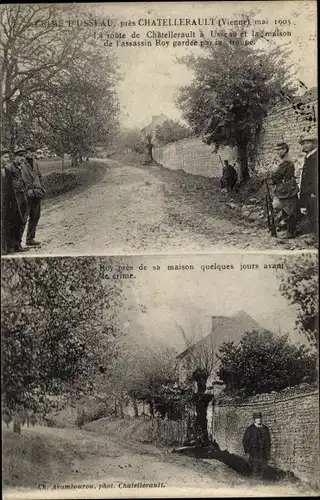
x=151, y=406
x=62, y=163
x=202, y=419
x=202, y=400
x=135, y=408
x=243, y=162
x=121, y=410
x=74, y=160
x=17, y=424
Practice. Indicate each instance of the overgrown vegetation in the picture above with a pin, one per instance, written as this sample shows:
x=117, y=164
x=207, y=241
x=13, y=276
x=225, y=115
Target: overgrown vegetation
x=59, y=84
x=262, y=363
x=234, y=87
x=171, y=131
x=299, y=284
x=29, y=460
x=57, y=328
x=58, y=183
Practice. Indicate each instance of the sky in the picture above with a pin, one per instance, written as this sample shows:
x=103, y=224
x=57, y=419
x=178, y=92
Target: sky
x=152, y=76
x=159, y=303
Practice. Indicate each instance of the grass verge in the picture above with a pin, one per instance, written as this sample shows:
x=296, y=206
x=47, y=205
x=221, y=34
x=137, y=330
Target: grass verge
x=57, y=183
x=29, y=460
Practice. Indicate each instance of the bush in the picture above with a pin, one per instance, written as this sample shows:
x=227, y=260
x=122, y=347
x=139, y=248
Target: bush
x=171, y=131
x=92, y=415
x=59, y=183
x=262, y=363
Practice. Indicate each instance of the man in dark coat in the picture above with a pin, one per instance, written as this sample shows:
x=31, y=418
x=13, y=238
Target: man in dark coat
x=13, y=205
x=35, y=192
x=286, y=189
x=309, y=181
x=257, y=444
x=229, y=176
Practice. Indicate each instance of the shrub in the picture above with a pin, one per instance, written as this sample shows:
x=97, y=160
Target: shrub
x=262, y=363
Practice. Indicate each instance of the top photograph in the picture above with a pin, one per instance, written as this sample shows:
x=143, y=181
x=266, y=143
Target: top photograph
x=158, y=128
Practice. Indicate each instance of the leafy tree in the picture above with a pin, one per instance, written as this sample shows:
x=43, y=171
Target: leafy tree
x=171, y=131
x=73, y=117
x=262, y=363
x=299, y=284
x=130, y=139
x=38, y=52
x=57, y=328
x=234, y=87
x=152, y=373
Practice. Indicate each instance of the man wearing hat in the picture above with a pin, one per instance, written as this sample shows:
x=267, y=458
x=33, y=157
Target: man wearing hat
x=257, y=444
x=309, y=180
x=7, y=203
x=286, y=189
x=21, y=194
x=229, y=176
x=35, y=192
x=13, y=203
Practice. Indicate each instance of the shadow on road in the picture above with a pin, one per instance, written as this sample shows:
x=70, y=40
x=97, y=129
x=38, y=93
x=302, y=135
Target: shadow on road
x=235, y=462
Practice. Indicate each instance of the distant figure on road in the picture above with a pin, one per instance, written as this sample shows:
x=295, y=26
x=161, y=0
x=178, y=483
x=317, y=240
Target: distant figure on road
x=149, y=146
x=35, y=192
x=229, y=176
x=309, y=180
x=257, y=444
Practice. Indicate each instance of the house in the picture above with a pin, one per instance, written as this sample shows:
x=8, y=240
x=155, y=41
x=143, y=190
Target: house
x=204, y=352
x=155, y=122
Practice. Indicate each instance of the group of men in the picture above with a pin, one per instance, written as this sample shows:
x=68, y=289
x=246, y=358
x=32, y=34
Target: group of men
x=292, y=199
x=21, y=193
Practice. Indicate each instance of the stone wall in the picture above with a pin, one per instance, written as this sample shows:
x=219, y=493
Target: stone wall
x=293, y=423
x=283, y=123
x=193, y=156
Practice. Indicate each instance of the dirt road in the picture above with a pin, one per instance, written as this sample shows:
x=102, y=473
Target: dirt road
x=104, y=466
x=144, y=210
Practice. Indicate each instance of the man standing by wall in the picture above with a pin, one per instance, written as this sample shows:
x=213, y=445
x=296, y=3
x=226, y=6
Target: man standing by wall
x=229, y=176
x=286, y=189
x=309, y=180
x=35, y=192
x=257, y=444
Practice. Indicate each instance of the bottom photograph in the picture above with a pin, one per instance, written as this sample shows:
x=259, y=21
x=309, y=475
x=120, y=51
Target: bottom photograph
x=160, y=376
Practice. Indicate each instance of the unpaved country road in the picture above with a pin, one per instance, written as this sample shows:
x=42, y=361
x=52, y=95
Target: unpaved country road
x=105, y=464
x=143, y=210
x=123, y=214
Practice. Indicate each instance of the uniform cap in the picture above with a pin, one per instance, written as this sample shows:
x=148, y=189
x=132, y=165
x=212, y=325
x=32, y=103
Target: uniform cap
x=20, y=151
x=308, y=138
x=282, y=145
x=29, y=147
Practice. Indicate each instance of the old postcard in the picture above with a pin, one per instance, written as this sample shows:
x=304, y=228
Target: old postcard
x=153, y=376
x=159, y=127
x=159, y=244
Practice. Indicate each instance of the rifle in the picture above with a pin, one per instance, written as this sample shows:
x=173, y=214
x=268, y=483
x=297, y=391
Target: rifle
x=270, y=213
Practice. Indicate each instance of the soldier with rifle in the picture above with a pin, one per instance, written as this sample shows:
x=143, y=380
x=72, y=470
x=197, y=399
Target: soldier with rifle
x=270, y=212
x=286, y=189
